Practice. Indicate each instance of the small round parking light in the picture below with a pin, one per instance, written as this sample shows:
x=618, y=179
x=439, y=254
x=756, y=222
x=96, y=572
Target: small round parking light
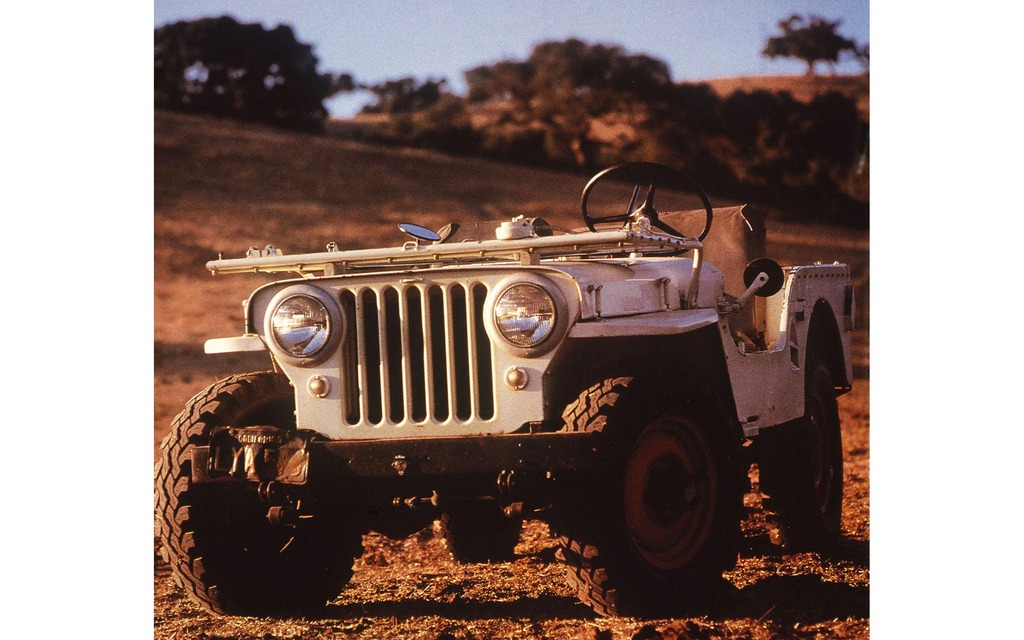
x=318, y=386
x=517, y=378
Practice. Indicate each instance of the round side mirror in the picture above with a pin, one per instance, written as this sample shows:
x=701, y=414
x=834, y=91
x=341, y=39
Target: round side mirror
x=418, y=232
x=776, y=277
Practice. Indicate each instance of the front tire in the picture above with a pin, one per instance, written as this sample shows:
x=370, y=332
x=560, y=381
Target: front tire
x=656, y=531
x=216, y=536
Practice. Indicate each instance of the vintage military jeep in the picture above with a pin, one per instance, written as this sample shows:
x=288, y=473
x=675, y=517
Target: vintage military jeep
x=612, y=381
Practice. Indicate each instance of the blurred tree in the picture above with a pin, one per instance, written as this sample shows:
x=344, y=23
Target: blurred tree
x=405, y=95
x=221, y=67
x=812, y=40
x=864, y=56
x=562, y=87
x=572, y=103
x=502, y=81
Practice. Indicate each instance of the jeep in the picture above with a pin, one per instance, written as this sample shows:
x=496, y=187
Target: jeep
x=617, y=381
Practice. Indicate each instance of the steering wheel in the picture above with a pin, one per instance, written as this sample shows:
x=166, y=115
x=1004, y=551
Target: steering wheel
x=649, y=175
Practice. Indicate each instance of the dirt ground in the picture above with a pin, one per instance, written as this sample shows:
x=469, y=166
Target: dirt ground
x=413, y=589
x=211, y=196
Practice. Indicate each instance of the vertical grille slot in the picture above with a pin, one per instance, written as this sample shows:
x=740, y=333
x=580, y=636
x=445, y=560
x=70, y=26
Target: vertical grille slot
x=438, y=372
x=395, y=349
x=459, y=354
x=350, y=361
x=484, y=390
x=368, y=336
x=417, y=354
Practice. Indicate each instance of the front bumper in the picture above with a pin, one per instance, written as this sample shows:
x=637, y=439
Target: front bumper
x=263, y=454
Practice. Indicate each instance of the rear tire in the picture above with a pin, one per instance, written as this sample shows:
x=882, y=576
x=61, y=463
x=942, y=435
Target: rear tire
x=802, y=470
x=655, y=531
x=216, y=536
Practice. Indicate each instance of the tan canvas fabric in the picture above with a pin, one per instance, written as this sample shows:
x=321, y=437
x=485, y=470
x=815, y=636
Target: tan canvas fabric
x=737, y=236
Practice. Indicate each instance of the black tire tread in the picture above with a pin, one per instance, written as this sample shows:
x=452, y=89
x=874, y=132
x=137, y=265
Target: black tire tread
x=582, y=537
x=790, y=500
x=179, y=513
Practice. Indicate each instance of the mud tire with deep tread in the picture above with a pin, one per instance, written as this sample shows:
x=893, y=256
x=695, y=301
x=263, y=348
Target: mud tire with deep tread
x=216, y=537
x=801, y=471
x=621, y=561
x=478, y=531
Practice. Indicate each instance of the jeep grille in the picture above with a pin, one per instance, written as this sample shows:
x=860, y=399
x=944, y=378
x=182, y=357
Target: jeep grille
x=438, y=370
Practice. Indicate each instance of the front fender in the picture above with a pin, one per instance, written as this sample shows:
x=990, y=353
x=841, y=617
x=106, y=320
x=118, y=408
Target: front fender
x=652, y=324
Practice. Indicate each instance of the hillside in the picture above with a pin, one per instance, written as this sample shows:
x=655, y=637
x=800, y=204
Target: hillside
x=222, y=186
x=794, y=139
x=803, y=88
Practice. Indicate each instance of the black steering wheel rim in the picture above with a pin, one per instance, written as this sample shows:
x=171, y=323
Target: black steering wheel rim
x=638, y=173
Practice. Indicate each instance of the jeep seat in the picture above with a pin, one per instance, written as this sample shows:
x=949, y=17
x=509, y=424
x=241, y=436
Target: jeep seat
x=737, y=236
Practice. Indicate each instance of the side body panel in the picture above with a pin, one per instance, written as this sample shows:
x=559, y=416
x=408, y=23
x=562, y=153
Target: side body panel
x=768, y=385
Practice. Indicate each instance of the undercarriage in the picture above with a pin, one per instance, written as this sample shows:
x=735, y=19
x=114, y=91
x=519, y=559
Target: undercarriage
x=393, y=477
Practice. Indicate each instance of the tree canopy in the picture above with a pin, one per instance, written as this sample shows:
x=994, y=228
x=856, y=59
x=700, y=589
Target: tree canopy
x=568, y=104
x=405, y=95
x=560, y=88
x=570, y=70
x=587, y=105
x=222, y=67
x=811, y=40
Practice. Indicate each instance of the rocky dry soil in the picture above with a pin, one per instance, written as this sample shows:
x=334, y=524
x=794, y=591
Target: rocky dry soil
x=412, y=588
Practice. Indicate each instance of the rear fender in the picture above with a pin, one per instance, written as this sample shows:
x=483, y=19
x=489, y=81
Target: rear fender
x=825, y=343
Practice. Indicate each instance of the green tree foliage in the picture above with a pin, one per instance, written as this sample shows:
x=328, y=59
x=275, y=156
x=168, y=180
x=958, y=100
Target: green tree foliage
x=421, y=114
x=222, y=67
x=554, y=96
x=603, y=75
x=405, y=95
x=593, y=105
x=783, y=150
x=812, y=40
x=505, y=81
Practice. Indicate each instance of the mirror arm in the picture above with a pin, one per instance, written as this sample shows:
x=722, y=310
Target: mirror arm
x=738, y=304
x=693, y=289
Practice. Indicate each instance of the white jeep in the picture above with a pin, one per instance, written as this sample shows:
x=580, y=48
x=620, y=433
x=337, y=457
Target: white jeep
x=616, y=381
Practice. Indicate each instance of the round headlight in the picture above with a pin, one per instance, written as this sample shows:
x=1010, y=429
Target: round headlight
x=301, y=325
x=524, y=315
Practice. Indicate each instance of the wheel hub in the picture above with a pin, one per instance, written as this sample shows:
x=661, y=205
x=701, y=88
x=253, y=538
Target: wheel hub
x=668, y=493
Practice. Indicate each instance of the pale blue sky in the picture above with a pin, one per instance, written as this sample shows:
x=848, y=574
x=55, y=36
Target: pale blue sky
x=386, y=39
